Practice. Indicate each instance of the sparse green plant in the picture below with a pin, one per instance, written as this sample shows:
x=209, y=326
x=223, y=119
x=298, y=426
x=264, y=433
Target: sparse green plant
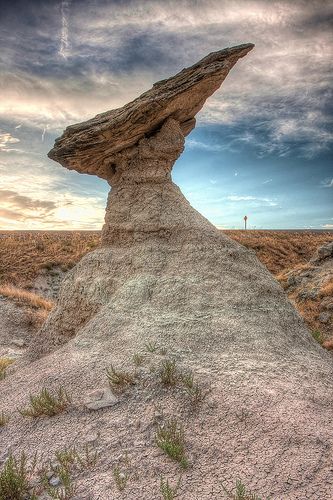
x=15, y=478
x=46, y=404
x=193, y=389
x=167, y=491
x=119, y=379
x=66, y=490
x=241, y=493
x=170, y=438
x=318, y=336
x=151, y=346
x=120, y=477
x=138, y=359
x=4, y=419
x=169, y=374
x=88, y=457
x=4, y=363
x=67, y=457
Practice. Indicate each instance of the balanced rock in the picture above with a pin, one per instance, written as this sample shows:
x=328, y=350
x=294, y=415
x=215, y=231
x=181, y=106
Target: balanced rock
x=166, y=277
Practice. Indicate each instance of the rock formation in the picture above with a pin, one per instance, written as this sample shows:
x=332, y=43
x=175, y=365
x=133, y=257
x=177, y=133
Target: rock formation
x=166, y=284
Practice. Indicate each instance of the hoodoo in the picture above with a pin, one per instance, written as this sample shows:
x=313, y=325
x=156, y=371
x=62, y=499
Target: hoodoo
x=167, y=285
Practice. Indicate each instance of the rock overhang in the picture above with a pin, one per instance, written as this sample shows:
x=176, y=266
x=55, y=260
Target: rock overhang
x=95, y=146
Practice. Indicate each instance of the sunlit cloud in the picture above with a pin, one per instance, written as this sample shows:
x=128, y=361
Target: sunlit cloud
x=6, y=140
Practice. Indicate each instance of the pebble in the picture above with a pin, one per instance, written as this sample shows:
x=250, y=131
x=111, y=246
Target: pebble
x=54, y=481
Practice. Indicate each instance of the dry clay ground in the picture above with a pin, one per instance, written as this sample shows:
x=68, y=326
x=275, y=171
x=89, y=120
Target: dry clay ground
x=38, y=262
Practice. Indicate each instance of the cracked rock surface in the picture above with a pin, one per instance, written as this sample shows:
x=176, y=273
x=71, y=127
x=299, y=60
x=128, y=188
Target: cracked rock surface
x=166, y=284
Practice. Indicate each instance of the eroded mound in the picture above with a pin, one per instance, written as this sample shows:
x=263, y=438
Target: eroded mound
x=211, y=373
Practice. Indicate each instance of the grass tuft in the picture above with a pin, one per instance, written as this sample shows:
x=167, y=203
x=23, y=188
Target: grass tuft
x=4, y=363
x=46, y=404
x=119, y=379
x=170, y=438
x=169, y=375
x=151, y=346
x=4, y=419
x=120, y=477
x=138, y=359
x=318, y=336
x=241, y=492
x=194, y=391
x=15, y=479
x=167, y=491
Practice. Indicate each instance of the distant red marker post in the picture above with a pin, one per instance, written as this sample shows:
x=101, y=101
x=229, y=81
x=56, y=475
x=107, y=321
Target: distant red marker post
x=245, y=221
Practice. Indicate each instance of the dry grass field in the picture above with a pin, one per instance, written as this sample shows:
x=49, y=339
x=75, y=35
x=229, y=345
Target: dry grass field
x=23, y=255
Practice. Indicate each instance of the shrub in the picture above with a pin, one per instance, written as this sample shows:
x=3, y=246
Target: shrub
x=47, y=404
x=170, y=438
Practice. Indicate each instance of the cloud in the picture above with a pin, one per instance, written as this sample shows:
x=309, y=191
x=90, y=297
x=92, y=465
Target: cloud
x=6, y=139
x=327, y=226
x=327, y=183
x=255, y=199
x=24, y=202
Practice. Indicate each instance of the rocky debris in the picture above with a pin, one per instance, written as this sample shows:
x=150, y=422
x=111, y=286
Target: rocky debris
x=323, y=252
x=314, y=282
x=18, y=342
x=101, y=398
x=15, y=332
x=167, y=277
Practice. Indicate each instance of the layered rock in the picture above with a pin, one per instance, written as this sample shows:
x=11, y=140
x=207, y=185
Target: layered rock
x=165, y=277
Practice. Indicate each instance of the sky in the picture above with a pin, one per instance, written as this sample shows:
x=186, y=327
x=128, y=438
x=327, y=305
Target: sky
x=263, y=143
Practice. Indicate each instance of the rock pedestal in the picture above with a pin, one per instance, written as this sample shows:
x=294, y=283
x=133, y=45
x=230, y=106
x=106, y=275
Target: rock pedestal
x=167, y=278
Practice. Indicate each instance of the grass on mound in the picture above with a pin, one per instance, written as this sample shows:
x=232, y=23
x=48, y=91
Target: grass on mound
x=15, y=479
x=46, y=404
x=171, y=439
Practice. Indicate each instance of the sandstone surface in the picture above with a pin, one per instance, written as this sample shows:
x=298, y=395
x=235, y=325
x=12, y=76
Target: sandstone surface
x=166, y=284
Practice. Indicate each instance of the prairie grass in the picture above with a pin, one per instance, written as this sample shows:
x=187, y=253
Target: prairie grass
x=280, y=250
x=26, y=298
x=327, y=289
x=24, y=254
x=46, y=404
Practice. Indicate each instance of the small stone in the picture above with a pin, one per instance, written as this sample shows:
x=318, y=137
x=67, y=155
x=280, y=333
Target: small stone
x=49, y=474
x=324, y=317
x=18, y=342
x=101, y=398
x=54, y=481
